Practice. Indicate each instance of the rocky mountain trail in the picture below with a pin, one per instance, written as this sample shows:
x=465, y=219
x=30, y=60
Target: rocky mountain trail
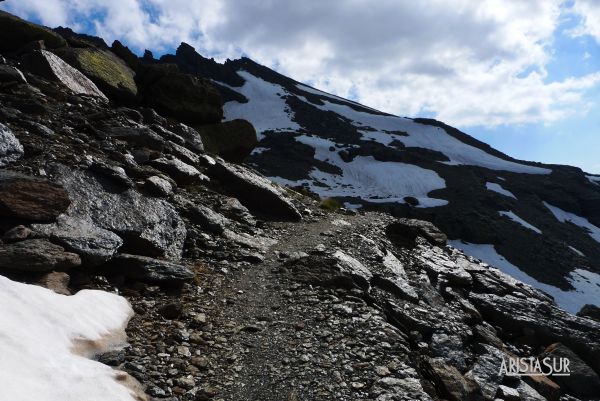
x=118, y=175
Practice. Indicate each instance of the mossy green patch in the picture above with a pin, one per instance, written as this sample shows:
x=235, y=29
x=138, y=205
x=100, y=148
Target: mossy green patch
x=330, y=204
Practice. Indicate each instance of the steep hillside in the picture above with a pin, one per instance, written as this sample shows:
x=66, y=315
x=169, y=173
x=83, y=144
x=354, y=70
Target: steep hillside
x=540, y=223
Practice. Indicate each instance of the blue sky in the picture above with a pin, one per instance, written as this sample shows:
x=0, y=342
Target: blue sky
x=523, y=76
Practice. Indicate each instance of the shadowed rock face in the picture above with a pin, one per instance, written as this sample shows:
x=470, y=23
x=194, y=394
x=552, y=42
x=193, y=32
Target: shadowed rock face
x=16, y=33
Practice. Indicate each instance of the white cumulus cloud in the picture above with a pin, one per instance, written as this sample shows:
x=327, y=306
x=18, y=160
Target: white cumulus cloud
x=466, y=62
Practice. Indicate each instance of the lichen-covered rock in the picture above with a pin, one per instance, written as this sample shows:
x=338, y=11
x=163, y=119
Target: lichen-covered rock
x=10, y=147
x=232, y=140
x=179, y=171
x=52, y=67
x=114, y=78
x=94, y=244
x=30, y=198
x=16, y=33
x=36, y=255
x=253, y=191
x=184, y=97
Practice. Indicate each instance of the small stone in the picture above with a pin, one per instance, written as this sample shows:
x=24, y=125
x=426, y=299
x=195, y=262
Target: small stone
x=15, y=234
x=382, y=371
x=183, y=350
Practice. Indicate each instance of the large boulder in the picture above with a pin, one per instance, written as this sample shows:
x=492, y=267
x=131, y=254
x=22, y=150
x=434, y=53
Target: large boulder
x=114, y=78
x=187, y=98
x=94, y=244
x=52, y=67
x=254, y=191
x=10, y=147
x=16, y=33
x=36, y=255
x=449, y=382
x=148, y=226
x=149, y=270
x=29, y=198
x=179, y=171
x=232, y=140
x=590, y=311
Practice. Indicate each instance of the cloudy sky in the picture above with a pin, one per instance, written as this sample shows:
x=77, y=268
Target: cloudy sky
x=522, y=75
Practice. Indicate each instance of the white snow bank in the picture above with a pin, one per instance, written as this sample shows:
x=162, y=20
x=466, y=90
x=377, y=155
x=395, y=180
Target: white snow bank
x=39, y=332
x=586, y=284
x=564, y=216
x=519, y=220
x=266, y=108
x=492, y=186
x=369, y=179
x=426, y=136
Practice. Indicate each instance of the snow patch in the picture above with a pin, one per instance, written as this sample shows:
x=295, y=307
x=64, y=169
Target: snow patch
x=492, y=186
x=593, y=179
x=426, y=136
x=564, y=216
x=266, y=108
x=369, y=179
x=519, y=220
x=586, y=283
x=318, y=92
x=39, y=333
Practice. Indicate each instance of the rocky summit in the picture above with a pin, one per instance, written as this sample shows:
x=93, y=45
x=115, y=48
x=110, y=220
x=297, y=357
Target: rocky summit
x=276, y=242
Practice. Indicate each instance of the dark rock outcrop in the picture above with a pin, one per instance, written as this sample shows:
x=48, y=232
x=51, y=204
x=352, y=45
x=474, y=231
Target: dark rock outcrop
x=36, y=255
x=407, y=230
x=29, y=198
x=182, y=96
x=149, y=270
x=16, y=33
x=231, y=140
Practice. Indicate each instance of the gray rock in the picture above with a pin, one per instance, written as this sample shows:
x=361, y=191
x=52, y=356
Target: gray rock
x=191, y=137
x=205, y=216
x=138, y=135
x=158, y=186
x=486, y=371
x=11, y=74
x=254, y=191
x=394, y=278
x=528, y=393
x=56, y=281
x=590, y=311
x=450, y=348
x=149, y=270
x=406, y=230
x=181, y=172
x=94, y=244
x=10, y=147
x=52, y=67
x=148, y=226
x=36, y=255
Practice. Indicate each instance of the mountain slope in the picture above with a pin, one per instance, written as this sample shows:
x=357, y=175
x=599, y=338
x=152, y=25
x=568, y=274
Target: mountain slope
x=419, y=168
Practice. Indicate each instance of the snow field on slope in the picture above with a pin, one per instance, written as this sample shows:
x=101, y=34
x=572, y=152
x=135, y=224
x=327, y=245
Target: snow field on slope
x=266, y=108
x=39, y=331
x=564, y=216
x=428, y=137
x=520, y=221
x=586, y=284
x=370, y=179
x=492, y=186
